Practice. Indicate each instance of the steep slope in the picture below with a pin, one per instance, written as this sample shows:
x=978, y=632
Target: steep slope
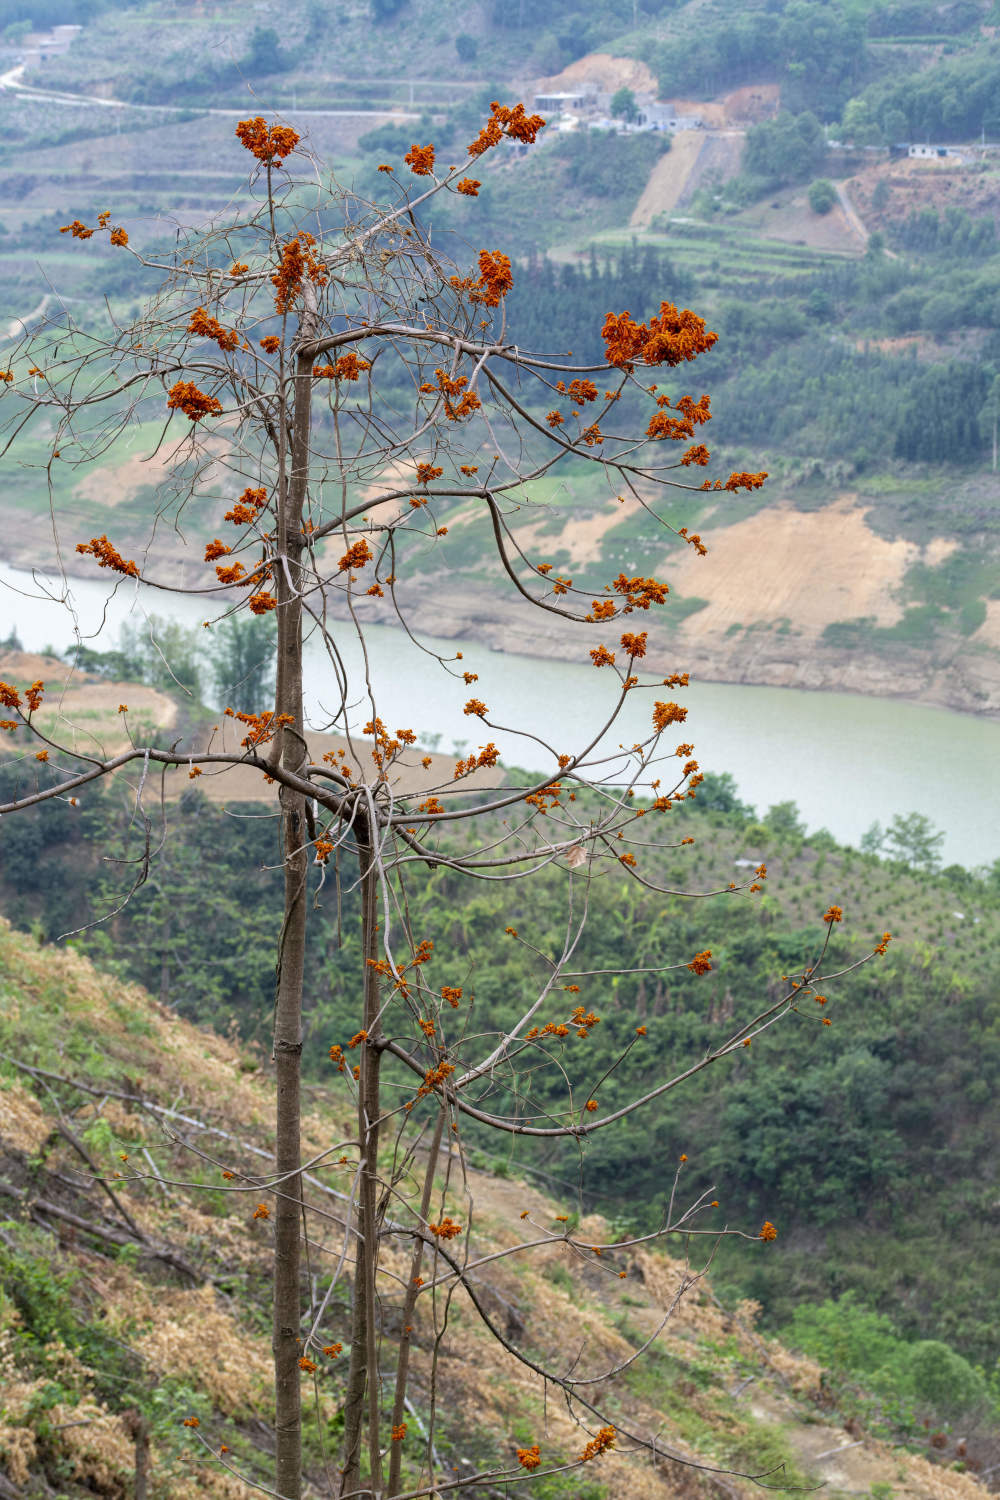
x=134, y=1274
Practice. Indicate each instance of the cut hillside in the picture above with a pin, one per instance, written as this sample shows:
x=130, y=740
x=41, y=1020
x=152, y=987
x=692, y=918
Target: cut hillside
x=134, y=1154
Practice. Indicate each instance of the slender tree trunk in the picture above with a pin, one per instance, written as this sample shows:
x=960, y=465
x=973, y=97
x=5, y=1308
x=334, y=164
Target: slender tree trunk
x=409, y=1302
x=362, y=1378
x=291, y=956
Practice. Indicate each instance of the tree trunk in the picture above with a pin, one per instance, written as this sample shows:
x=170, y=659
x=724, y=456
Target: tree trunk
x=362, y=1378
x=409, y=1302
x=291, y=954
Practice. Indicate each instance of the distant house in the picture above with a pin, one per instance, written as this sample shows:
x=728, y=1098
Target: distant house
x=660, y=116
x=559, y=104
x=935, y=153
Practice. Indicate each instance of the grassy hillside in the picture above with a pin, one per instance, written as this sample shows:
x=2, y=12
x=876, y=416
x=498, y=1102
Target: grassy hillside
x=134, y=1290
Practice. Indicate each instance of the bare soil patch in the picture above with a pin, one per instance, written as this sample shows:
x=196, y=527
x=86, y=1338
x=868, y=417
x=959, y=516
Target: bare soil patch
x=809, y=568
x=793, y=221
x=81, y=712
x=669, y=178
x=605, y=72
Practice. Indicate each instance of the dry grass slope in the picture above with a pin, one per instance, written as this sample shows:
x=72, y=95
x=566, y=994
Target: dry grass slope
x=166, y=1263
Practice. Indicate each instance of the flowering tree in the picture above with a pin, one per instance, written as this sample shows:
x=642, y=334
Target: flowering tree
x=330, y=389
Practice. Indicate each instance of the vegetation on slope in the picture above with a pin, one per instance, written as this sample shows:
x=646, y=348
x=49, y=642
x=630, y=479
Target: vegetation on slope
x=826, y=1129
x=133, y=1275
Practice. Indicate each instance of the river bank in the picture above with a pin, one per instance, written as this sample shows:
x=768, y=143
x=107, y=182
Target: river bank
x=846, y=760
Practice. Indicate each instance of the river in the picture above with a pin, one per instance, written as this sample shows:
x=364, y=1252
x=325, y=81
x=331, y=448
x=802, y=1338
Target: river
x=846, y=760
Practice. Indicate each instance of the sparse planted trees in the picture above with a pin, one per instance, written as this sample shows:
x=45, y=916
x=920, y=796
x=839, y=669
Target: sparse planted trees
x=333, y=391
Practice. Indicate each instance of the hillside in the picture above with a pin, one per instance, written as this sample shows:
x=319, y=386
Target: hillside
x=858, y=344
x=133, y=1154
x=827, y=1129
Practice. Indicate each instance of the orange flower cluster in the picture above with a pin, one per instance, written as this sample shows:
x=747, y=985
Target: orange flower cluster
x=108, y=556
x=186, y=397
x=693, y=540
x=231, y=574
x=488, y=756
x=475, y=706
x=206, y=327
x=603, y=609
x=262, y=1211
x=635, y=645
x=579, y=390
x=602, y=657
x=271, y=344
x=529, y=1458
x=324, y=848
x=833, y=914
x=261, y=726
x=667, y=339
x=592, y=435
x=386, y=746
x=698, y=454
x=296, y=263
x=469, y=187
x=9, y=695
x=77, y=229
x=269, y=143
x=767, y=1231
x=583, y=1020
x=495, y=278
x=216, y=548
x=358, y=555
x=246, y=508
x=677, y=428
x=639, y=593
x=446, y=1230
x=555, y=418
x=348, y=367
x=604, y=1440
x=452, y=993
x=420, y=160
x=883, y=945
x=545, y=797
x=332, y=1350
x=427, y=472
x=551, y=1028
x=191, y=1422
x=307, y=1364
x=433, y=1079
x=449, y=386
x=702, y=962
x=510, y=121
x=337, y=1056
x=738, y=481
x=118, y=236
x=399, y=1432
